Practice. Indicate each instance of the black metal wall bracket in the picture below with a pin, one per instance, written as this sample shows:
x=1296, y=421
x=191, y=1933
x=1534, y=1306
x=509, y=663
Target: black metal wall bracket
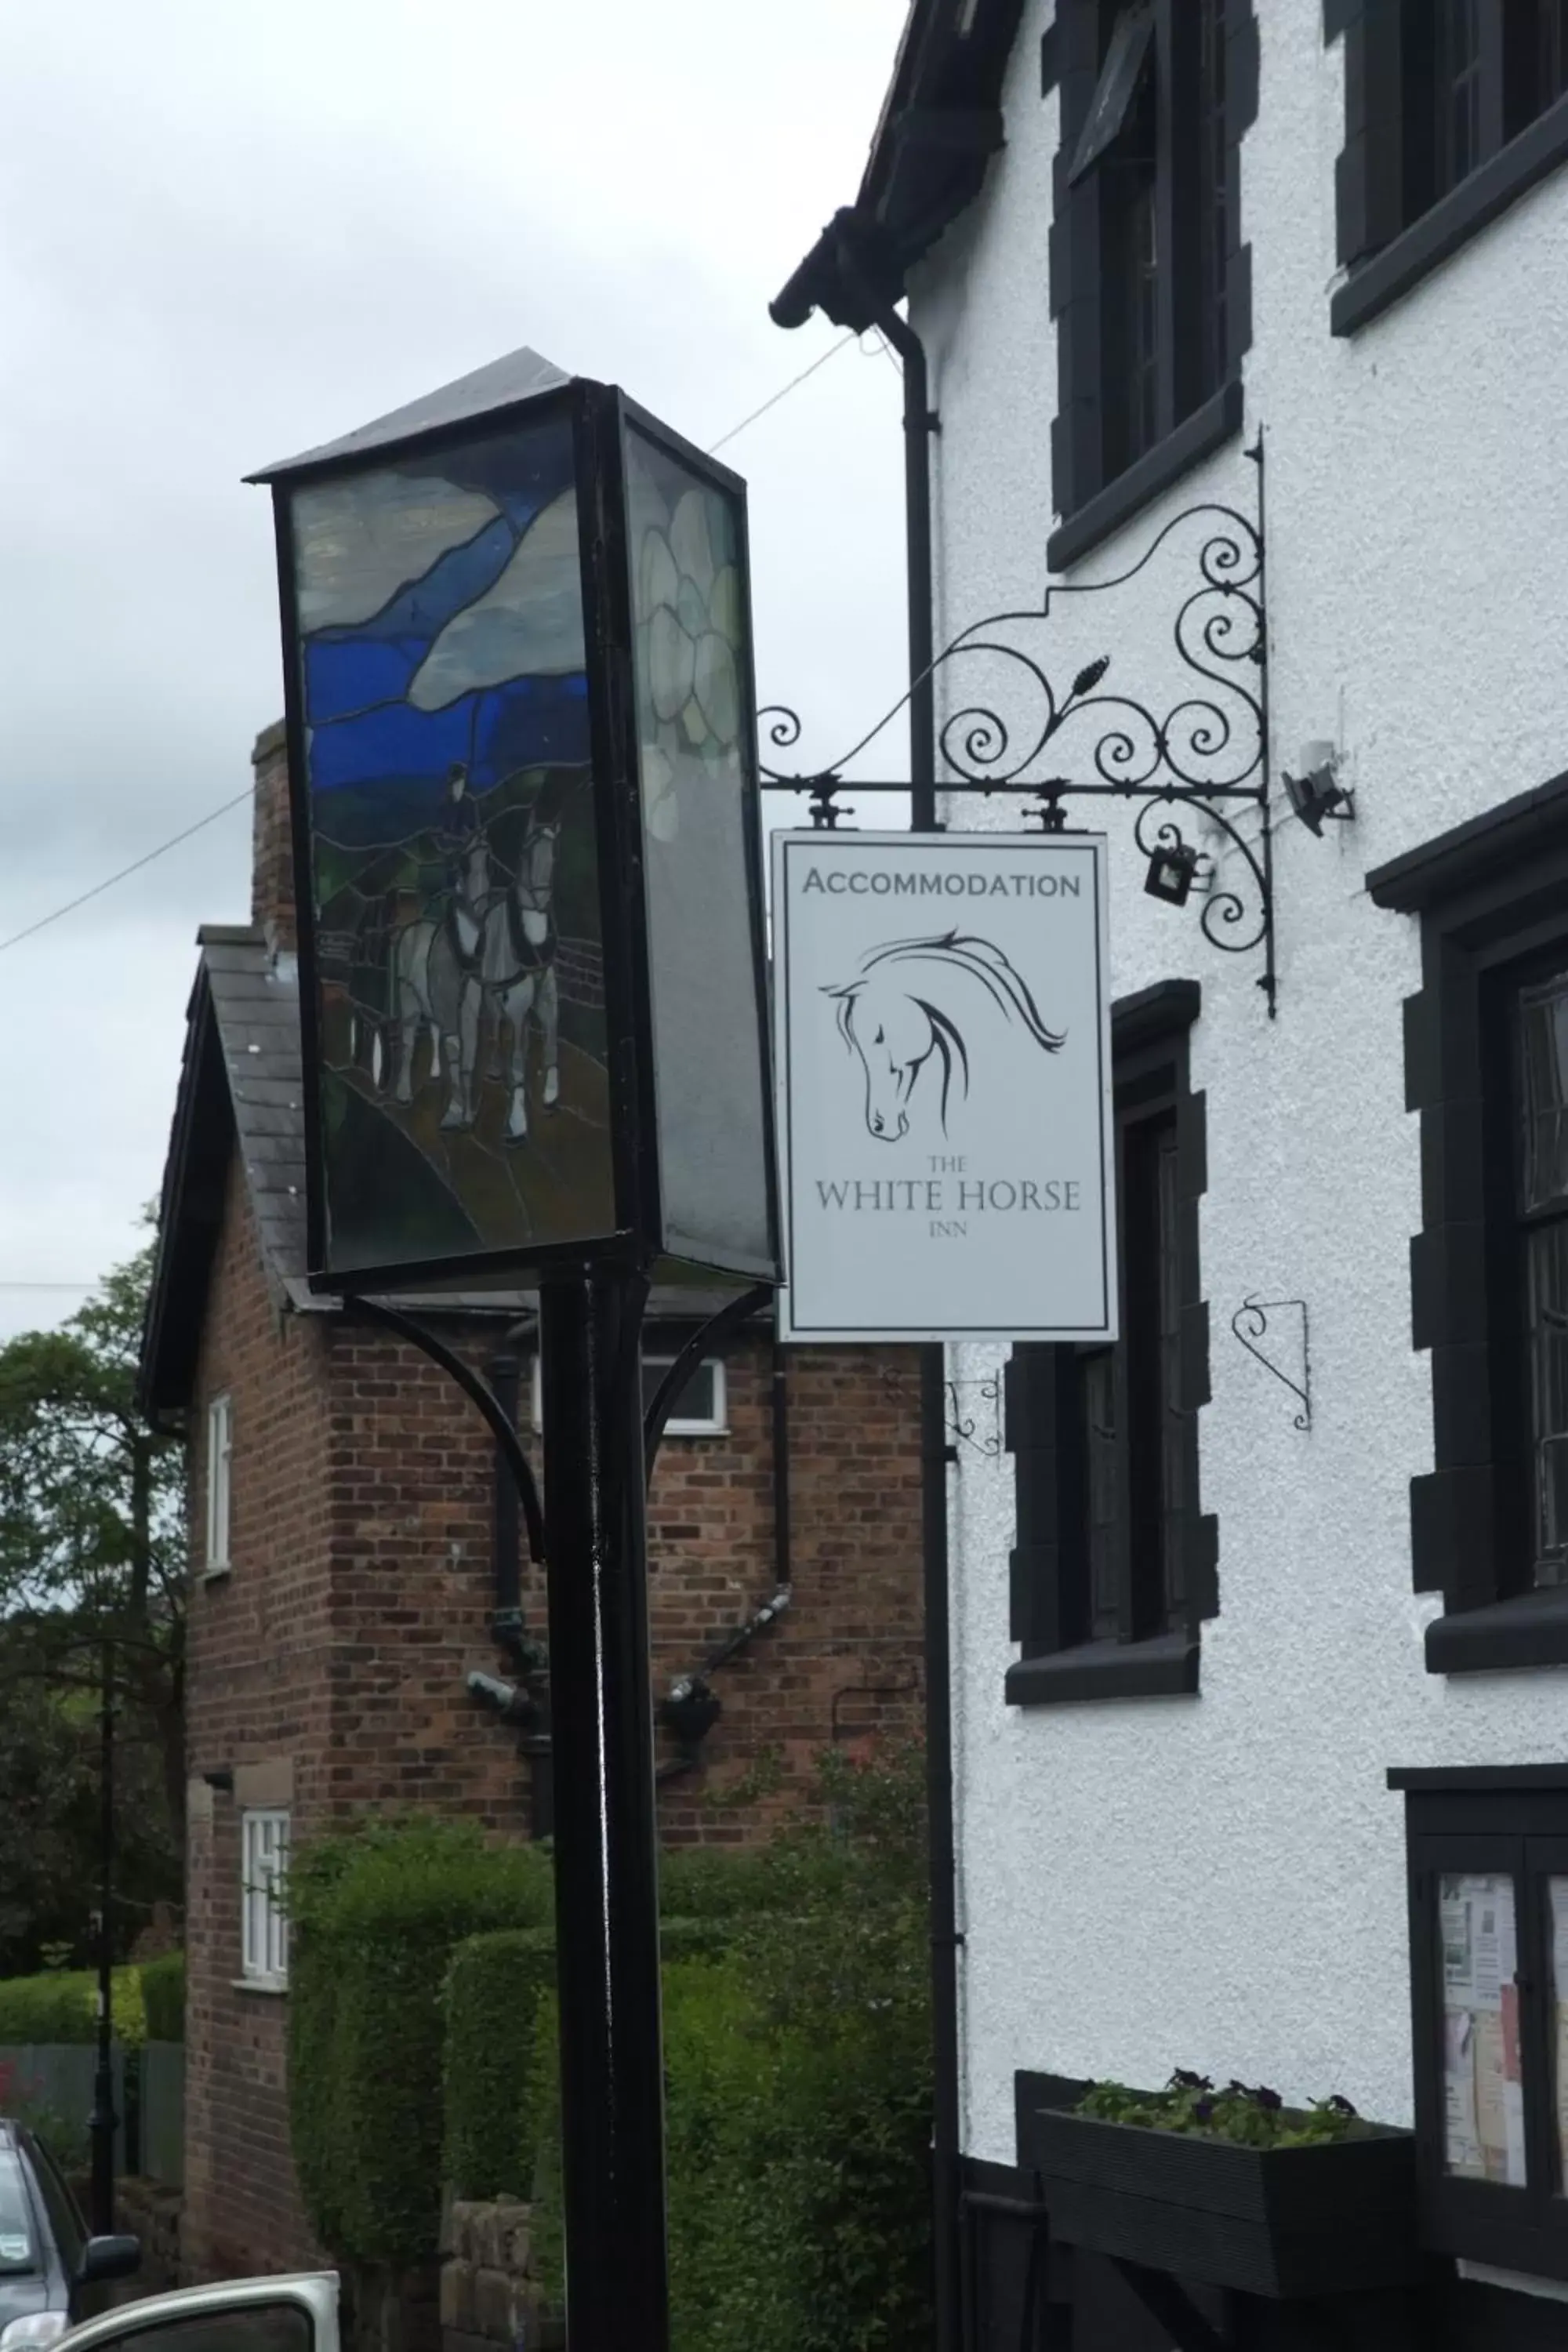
x=1196, y=756
x=1254, y=1314
x=975, y=1416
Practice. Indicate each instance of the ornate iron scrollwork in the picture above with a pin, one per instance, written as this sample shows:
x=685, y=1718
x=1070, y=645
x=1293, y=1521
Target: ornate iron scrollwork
x=1196, y=757
x=1255, y=1313
x=978, y=1426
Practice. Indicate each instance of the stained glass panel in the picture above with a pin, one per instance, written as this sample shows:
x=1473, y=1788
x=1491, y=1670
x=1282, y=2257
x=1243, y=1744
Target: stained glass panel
x=460, y=1001
x=692, y=667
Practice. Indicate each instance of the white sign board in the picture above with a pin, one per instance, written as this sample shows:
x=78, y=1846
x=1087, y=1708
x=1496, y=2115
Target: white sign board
x=943, y=1065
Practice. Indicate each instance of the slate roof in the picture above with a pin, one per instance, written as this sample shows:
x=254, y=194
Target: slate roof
x=241, y=1090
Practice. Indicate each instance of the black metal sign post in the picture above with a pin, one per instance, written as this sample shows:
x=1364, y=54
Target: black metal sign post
x=606, y=1881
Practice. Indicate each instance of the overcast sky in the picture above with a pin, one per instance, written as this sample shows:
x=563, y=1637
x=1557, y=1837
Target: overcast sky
x=229, y=231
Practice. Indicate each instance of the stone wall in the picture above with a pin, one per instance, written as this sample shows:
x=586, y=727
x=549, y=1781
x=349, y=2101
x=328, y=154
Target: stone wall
x=490, y=2294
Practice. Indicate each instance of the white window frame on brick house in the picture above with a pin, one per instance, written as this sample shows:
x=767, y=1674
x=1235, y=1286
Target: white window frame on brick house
x=264, y=1876
x=714, y=1423
x=220, y=1482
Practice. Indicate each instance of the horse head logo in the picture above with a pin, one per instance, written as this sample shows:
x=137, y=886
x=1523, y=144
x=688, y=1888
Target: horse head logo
x=902, y=1012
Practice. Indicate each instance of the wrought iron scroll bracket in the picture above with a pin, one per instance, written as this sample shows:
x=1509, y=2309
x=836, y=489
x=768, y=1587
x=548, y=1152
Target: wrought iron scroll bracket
x=1192, y=752
x=976, y=1426
x=1254, y=1314
x=703, y=1342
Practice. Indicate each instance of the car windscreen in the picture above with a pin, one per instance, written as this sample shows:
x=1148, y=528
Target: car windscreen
x=18, y=2246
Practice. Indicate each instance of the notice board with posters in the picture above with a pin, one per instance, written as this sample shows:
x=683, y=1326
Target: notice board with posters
x=943, y=1070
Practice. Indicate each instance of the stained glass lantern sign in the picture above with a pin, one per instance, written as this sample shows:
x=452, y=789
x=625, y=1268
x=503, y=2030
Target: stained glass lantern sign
x=518, y=669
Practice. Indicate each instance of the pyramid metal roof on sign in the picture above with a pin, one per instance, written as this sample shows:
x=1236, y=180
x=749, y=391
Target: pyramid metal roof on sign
x=523, y=374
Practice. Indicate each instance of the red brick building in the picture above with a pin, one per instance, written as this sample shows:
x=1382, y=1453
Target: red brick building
x=349, y=1549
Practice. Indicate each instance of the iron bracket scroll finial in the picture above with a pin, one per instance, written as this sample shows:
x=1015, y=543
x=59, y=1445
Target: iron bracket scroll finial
x=1254, y=1314
x=977, y=1426
x=1178, y=727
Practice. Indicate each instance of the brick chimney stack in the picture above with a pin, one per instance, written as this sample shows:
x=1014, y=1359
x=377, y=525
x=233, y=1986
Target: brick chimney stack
x=272, y=853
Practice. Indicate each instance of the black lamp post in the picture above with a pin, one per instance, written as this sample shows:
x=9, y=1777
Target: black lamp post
x=101, y=2129
x=517, y=658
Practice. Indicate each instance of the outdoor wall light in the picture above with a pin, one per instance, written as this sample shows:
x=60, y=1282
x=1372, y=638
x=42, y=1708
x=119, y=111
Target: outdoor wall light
x=1314, y=795
x=1172, y=873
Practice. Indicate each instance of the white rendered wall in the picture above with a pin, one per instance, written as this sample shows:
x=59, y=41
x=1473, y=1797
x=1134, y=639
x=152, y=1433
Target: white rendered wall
x=1220, y=1882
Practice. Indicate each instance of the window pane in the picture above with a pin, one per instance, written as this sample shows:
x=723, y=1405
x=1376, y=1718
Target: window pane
x=1214, y=156
x=1458, y=36
x=1543, y=1070
x=64, y=2219
x=17, y=2251
x=1546, y=1252
x=696, y=1400
x=266, y=2328
x=1484, y=2131
x=1173, y=1497
x=1107, y=1480
x=1557, y=1892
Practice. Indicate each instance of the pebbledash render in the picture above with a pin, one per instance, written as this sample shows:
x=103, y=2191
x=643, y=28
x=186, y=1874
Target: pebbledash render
x=344, y=1559
x=1198, y=1711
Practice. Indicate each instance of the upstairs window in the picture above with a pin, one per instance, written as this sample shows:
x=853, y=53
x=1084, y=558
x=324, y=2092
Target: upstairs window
x=1452, y=109
x=1538, y=1016
x=220, y=1454
x=1149, y=279
x=1114, y=1565
x=702, y=1410
x=1486, y=1069
x=264, y=1938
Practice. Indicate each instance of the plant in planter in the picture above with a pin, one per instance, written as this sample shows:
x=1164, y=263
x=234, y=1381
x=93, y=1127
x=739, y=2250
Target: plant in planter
x=1245, y=2116
x=1228, y=2186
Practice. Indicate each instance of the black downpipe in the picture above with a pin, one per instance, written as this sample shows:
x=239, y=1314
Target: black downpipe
x=920, y=424
x=783, y=1571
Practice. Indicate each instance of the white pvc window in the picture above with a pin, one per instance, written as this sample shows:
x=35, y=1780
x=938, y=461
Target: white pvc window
x=702, y=1410
x=264, y=1943
x=220, y=1457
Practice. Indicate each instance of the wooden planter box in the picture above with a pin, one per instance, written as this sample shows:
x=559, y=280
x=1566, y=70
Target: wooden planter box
x=1281, y=2222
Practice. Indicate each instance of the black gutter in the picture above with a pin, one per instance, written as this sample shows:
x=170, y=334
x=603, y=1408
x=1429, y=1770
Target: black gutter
x=860, y=296
x=783, y=1569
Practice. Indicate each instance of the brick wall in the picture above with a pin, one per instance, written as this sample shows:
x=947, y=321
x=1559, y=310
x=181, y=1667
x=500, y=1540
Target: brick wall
x=257, y=1693
x=327, y=1668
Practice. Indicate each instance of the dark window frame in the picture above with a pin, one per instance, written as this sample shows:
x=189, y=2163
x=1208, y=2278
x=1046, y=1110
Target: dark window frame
x=1491, y=895
x=1155, y=1652
x=1507, y=1822
x=1098, y=483
x=1396, y=220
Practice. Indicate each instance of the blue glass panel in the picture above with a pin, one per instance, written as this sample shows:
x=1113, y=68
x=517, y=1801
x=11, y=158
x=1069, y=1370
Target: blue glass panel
x=464, y=1098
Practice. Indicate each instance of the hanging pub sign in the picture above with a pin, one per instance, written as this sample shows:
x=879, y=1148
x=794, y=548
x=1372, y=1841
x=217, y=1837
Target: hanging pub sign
x=943, y=1067
x=519, y=680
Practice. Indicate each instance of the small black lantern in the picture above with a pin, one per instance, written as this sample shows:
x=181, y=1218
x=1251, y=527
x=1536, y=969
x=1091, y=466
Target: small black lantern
x=518, y=665
x=1172, y=871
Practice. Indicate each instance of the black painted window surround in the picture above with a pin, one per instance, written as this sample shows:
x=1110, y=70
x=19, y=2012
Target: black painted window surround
x=1114, y=1566
x=1150, y=282
x=1453, y=109
x=1486, y=1530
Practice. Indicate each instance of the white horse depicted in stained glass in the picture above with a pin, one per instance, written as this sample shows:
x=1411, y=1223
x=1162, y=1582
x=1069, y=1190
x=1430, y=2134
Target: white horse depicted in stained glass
x=486, y=964
x=915, y=1005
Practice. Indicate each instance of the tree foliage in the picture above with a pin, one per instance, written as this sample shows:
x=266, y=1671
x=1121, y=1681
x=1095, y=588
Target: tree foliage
x=92, y=1564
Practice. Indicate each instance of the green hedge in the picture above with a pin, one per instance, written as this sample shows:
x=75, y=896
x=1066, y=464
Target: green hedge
x=375, y=1915
x=164, y=1997
x=797, y=2144
x=798, y=2093
x=62, y=2006
x=494, y=1987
